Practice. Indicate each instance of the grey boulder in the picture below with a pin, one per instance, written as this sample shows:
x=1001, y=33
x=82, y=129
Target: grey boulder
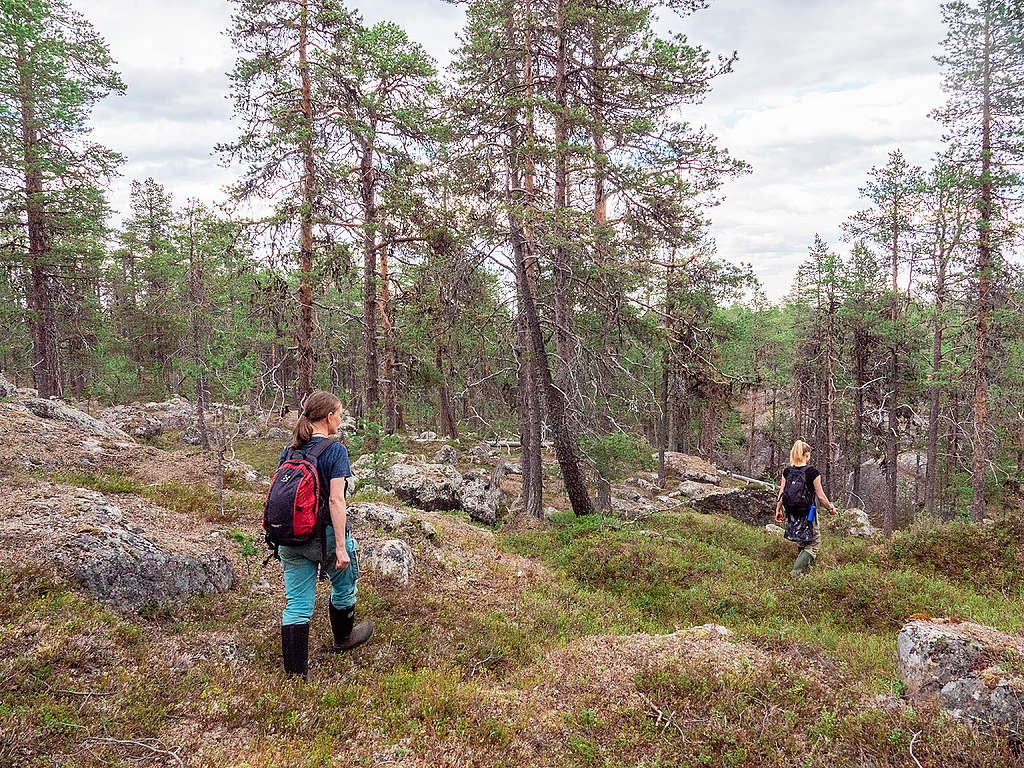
x=751, y=505
x=960, y=668
x=392, y=558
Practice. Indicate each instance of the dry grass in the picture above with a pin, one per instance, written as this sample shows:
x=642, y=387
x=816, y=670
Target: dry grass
x=546, y=647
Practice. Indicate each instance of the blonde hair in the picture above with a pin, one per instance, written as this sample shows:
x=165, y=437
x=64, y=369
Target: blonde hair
x=800, y=453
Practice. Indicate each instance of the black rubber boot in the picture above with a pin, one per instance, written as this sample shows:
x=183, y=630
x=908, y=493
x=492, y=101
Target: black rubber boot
x=347, y=636
x=295, y=649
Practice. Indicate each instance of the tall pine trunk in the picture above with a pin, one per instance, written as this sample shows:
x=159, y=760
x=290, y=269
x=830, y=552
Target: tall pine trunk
x=932, y=448
x=367, y=196
x=561, y=267
x=306, y=219
x=892, y=424
x=980, y=460
x=388, y=328
x=45, y=353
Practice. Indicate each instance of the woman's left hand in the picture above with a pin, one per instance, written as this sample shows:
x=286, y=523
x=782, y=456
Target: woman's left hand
x=343, y=559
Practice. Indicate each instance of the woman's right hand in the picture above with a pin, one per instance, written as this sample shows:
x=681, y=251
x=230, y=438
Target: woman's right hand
x=343, y=559
x=778, y=516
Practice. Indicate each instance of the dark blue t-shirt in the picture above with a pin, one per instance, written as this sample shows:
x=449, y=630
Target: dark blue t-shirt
x=332, y=463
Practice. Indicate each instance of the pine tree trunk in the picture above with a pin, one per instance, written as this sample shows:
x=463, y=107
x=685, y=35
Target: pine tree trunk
x=560, y=261
x=530, y=400
x=367, y=194
x=892, y=425
x=980, y=460
x=932, y=448
x=197, y=300
x=388, y=328
x=663, y=442
x=445, y=416
x=858, y=416
x=572, y=477
x=831, y=460
x=305, y=342
x=45, y=356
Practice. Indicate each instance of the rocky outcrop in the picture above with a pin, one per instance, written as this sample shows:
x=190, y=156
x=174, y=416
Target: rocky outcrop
x=58, y=410
x=752, y=504
x=6, y=388
x=683, y=466
x=377, y=514
x=910, y=475
x=146, y=420
x=433, y=486
x=446, y=455
x=479, y=502
x=964, y=669
x=856, y=523
x=691, y=489
x=427, y=486
x=392, y=558
x=106, y=545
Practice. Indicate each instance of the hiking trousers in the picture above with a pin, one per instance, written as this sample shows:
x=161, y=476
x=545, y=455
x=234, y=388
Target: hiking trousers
x=301, y=565
x=815, y=544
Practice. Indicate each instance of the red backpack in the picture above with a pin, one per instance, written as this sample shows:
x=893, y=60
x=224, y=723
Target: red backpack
x=296, y=507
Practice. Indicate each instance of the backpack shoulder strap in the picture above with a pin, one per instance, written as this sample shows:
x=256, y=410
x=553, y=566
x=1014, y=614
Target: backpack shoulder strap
x=317, y=450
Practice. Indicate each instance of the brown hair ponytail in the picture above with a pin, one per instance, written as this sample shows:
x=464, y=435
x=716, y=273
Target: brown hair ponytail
x=319, y=406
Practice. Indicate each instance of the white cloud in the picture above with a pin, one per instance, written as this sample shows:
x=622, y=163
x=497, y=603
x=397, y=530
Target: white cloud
x=822, y=91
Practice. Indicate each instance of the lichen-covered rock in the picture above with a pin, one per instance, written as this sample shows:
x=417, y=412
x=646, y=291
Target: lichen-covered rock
x=686, y=467
x=482, y=450
x=426, y=436
x=379, y=515
x=446, y=455
x=6, y=388
x=858, y=524
x=191, y=435
x=960, y=667
x=149, y=419
x=58, y=410
x=479, y=502
x=97, y=544
x=775, y=530
x=692, y=489
x=278, y=434
x=393, y=558
x=427, y=486
x=751, y=505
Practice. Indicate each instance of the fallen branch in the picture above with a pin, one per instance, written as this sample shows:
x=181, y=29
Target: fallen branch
x=912, y=740
x=139, y=743
x=669, y=718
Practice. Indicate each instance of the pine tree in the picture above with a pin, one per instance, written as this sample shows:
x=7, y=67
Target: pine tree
x=983, y=70
x=53, y=68
x=285, y=139
x=894, y=190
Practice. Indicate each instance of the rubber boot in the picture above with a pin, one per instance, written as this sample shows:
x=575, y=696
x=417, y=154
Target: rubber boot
x=295, y=649
x=347, y=636
x=802, y=564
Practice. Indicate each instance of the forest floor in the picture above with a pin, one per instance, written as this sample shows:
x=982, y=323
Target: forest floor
x=566, y=645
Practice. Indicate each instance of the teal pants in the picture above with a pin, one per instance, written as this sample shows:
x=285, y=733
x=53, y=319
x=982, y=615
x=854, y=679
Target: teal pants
x=301, y=565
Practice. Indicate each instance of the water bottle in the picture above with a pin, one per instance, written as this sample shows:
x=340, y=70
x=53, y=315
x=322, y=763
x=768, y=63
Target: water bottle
x=810, y=515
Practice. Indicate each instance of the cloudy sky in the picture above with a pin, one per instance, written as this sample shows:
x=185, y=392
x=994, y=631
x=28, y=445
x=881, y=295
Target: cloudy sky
x=822, y=91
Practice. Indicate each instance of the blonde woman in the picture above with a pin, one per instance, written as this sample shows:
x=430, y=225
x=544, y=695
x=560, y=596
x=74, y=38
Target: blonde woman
x=801, y=484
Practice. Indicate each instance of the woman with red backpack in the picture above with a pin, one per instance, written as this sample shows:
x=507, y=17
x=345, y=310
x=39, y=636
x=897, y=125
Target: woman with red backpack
x=801, y=484
x=305, y=508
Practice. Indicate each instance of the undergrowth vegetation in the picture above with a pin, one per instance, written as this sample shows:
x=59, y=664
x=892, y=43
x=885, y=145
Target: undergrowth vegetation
x=460, y=671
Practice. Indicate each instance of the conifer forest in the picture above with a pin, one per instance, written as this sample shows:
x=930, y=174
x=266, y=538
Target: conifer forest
x=518, y=245
x=535, y=383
